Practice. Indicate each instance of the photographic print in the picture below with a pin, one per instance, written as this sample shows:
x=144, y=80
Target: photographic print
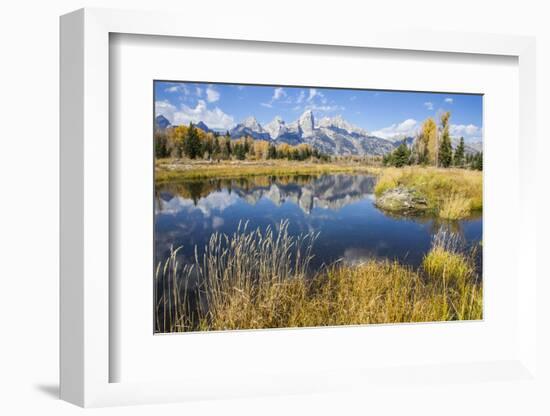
x=297, y=206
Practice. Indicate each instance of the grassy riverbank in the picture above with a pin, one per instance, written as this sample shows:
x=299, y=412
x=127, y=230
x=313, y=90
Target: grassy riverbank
x=172, y=170
x=450, y=193
x=259, y=279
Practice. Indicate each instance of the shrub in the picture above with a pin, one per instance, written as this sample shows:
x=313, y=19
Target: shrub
x=442, y=264
x=455, y=207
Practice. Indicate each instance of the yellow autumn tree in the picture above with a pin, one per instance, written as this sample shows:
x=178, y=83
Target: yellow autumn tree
x=176, y=138
x=428, y=142
x=284, y=150
x=261, y=147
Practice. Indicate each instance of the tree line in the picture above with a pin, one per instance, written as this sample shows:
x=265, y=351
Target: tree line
x=194, y=143
x=432, y=146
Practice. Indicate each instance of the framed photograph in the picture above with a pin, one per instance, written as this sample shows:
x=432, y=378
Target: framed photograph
x=283, y=214
x=318, y=220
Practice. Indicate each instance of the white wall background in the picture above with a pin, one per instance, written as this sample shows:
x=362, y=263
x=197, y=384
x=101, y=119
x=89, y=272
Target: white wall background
x=29, y=56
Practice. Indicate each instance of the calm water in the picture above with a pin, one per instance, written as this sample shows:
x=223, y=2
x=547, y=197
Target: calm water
x=339, y=207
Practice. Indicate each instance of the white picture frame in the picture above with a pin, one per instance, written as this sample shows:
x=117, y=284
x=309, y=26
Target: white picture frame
x=86, y=356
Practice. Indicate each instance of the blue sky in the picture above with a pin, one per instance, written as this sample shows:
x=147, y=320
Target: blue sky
x=383, y=113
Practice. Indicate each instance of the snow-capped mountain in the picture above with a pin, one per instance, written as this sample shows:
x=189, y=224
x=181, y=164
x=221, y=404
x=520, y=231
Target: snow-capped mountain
x=250, y=127
x=276, y=128
x=333, y=136
x=338, y=122
x=330, y=135
x=307, y=124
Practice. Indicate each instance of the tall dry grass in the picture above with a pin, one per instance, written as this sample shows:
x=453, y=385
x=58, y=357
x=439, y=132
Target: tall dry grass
x=451, y=193
x=255, y=279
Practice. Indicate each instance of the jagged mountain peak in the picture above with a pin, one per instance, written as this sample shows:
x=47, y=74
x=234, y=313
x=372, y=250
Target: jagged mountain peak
x=162, y=122
x=276, y=128
x=250, y=127
x=340, y=123
x=332, y=135
x=201, y=125
x=307, y=123
x=252, y=123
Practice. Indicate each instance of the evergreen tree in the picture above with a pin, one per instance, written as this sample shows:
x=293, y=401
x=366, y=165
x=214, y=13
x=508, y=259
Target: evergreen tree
x=400, y=156
x=161, y=145
x=207, y=146
x=477, y=161
x=240, y=151
x=445, y=149
x=226, y=147
x=192, y=144
x=458, y=158
x=216, y=148
x=272, y=152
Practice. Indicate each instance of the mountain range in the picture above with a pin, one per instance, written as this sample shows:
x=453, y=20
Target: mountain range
x=330, y=135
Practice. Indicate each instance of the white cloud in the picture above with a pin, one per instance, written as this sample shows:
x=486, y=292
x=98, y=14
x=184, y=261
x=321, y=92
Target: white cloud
x=217, y=222
x=165, y=108
x=429, y=105
x=312, y=94
x=278, y=93
x=470, y=132
x=449, y=100
x=198, y=92
x=181, y=88
x=407, y=128
x=315, y=101
x=214, y=118
x=410, y=128
x=212, y=95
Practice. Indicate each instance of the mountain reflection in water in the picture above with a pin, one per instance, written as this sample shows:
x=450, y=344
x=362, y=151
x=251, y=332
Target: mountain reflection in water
x=339, y=207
